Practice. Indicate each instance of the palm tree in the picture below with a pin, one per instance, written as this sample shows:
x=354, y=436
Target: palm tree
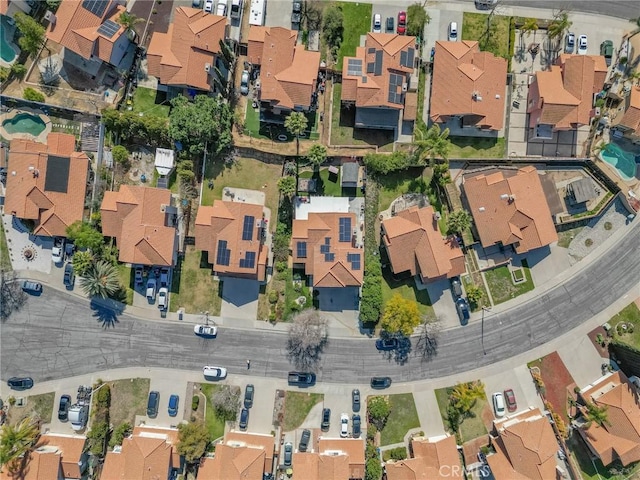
x=317, y=155
x=596, y=414
x=129, y=20
x=458, y=221
x=529, y=25
x=296, y=124
x=16, y=441
x=464, y=395
x=287, y=186
x=101, y=280
x=434, y=144
x=559, y=25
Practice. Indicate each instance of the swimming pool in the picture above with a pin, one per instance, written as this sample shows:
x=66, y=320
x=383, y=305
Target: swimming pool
x=24, y=123
x=624, y=162
x=7, y=52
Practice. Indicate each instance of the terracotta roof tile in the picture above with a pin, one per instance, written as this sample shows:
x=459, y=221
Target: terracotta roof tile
x=179, y=56
x=429, y=458
x=242, y=456
x=53, y=206
x=511, y=208
x=43, y=465
x=631, y=118
x=461, y=70
x=70, y=449
x=335, y=459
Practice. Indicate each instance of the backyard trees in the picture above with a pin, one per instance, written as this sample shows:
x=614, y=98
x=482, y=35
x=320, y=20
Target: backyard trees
x=206, y=120
x=33, y=95
x=296, y=124
x=226, y=401
x=193, y=440
x=474, y=293
x=101, y=280
x=401, y=316
x=128, y=20
x=373, y=469
x=597, y=414
x=287, y=186
x=308, y=336
x=433, y=144
x=458, y=221
x=378, y=409
x=85, y=236
x=371, y=301
x=417, y=18
x=32, y=33
x=333, y=28
x=382, y=164
x=121, y=156
x=82, y=261
x=16, y=441
x=12, y=297
x=529, y=25
x=317, y=155
x=559, y=24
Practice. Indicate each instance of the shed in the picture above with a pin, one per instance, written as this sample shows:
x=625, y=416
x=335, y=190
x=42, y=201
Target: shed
x=581, y=190
x=164, y=161
x=350, y=174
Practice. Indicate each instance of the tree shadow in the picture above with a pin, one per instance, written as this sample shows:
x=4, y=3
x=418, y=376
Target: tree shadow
x=106, y=311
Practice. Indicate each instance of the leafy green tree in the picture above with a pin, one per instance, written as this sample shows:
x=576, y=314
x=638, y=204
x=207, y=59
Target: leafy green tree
x=121, y=156
x=373, y=469
x=19, y=70
x=17, y=440
x=458, y=221
x=97, y=437
x=296, y=124
x=33, y=95
x=193, y=440
x=401, y=316
x=53, y=5
x=559, y=25
x=205, y=120
x=371, y=301
x=226, y=402
x=382, y=163
x=333, y=28
x=474, y=293
x=417, y=18
x=85, y=236
x=101, y=280
x=4, y=73
x=82, y=262
x=596, y=414
x=31, y=33
x=530, y=25
x=434, y=144
x=120, y=433
x=317, y=155
x=129, y=20
x=378, y=409
x=287, y=186
x=464, y=395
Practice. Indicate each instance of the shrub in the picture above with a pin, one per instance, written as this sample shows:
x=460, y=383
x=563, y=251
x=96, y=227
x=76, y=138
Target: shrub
x=103, y=397
x=588, y=242
x=371, y=432
x=4, y=73
x=608, y=226
x=273, y=297
x=97, y=437
x=33, y=95
x=398, y=454
x=195, y=401
x=119, y=434
x=281, y=266
x=19, y=70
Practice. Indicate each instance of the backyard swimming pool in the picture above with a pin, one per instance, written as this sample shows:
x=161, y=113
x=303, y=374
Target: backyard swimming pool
x=24, y=123
x=7, y=52
x=624, y=162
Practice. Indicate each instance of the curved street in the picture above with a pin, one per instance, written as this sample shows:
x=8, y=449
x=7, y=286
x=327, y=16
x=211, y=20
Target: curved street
x=619, y=8
x=57, y=335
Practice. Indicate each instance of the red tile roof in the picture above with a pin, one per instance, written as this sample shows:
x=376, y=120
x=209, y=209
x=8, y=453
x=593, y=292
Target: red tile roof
x=336, y=459
x=241, y=456
x=179, y=56
x=510, y=208
x=414, y=243
x=470, y=83
x=631, y=118
x=29, y=196
x=433, y=459
x=135, y=217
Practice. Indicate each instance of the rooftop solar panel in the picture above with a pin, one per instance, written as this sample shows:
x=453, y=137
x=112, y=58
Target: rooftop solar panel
x=247, y=228
x=108, y=28
x=224, y=255
x=410, y=55
x=301, y=249
x=97, y=7
x=354, y=259
x=378, y=63
x=345, y=229
x=57, y=176
x=249, y=261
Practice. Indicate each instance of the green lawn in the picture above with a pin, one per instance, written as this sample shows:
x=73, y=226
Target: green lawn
x=326, y=183
x=470, y=147
x=396, y=184
x=494, y=39
x=5, y=259
x=214, y=424
x=406, y=289
x=297, y=406
x=629, y=314
x=254, y=128
x=128, y=399
x=125, y=274
x=193, y=287
x=149, y=101
x=501, y=285
x=473, y=425
x=403, y=417
x=356, y=22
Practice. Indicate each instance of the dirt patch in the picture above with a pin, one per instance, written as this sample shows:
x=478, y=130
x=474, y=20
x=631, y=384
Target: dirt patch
x=128, y=399
x=557, y=382
x=40, y=406
x=191, y=415
x=278, y=408
x=594, y=335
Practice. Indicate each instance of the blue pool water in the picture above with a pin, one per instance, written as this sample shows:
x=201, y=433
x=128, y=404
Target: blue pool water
x=24, y=123
x=624, y=162
x=7, y=53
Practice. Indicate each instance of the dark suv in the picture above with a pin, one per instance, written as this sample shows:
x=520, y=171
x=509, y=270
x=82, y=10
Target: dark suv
x=63, y=408
x=152, y=404
x=301, y=379
x=326, y=419
x=380, y=382
x=248, y=396
x=304, y=440
x=463, y=310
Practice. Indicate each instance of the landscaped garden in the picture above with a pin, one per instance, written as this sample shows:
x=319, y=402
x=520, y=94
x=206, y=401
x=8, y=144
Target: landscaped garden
x=297, y=406
x=327, y=184
x=396, y=184
x=151, y=102
x=557, y=382
x=625, y=326
x=214, y=423
x=193, y=287
x=592, y=468
x=271, y=131
x=402, y=418
x=501, y=282
x=406, y=289
x=465, y=410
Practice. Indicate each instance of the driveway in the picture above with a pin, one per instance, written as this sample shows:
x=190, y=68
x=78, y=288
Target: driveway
x=278, y=13
x=443, y=305
x=520, y=381
x=27, y=252
x=261, y=414
x=239, y=298
x=547, y=263
x=338, y=299
x=338, y=399
x=582, y=360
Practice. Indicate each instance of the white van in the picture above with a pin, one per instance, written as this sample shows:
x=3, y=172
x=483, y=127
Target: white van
x=453, y=32
x=377, y=23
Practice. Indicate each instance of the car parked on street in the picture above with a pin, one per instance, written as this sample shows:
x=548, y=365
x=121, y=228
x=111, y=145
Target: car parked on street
x=248, y=396
x=356, y=426
x=582, y=45
x=288, y=453
x=304, y=440
x=344, y=425
x=174, y=401
x=402, y=23
x=205, y=330
x=63, y=408
x=33, y=287
x=386, y=344
x=380, y=382
x=69, y=275
x=570, y=43
x=355, y=400
x=463, y=310
x=326, y=419
x=498, y=404
x=510, y=398
x=301, y=379
x=214, y=373
x=152, y=404
x=244, y=419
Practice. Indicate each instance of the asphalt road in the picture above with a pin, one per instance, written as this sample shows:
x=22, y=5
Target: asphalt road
x=613, y=8
x=57, y=336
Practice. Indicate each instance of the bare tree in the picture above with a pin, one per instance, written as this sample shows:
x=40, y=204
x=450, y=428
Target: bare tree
x=308, y=336
x=226, y=401
x=427, y=342
x=12, y=297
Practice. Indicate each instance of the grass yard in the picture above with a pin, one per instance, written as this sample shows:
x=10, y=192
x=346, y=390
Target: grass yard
x=149, y=101
x=629, y=314
x=255, y=129
x=245, y=173
x=297, y=406
x=396, y=184
x=500, y=282
x=326, y=183
x=402, y=418
x=406, y=289
x=565, y=238
x=470, y=147
x=356, y=22
x=214, y=424
x=193, y=287
x=494, y=39
x=484, y=301
x=128, y=399
x=557, y=380
x=474, y=425
x=40, y=406
x=125, y=274
x=5, y=259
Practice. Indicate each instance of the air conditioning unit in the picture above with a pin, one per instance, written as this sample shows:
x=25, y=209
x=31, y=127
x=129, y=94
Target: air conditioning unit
x=207, y=67
x=404, y=87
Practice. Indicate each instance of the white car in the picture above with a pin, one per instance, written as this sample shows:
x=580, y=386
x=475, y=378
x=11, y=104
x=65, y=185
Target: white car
x=214, y=372
x=344, y=425
x=151, y=290
x=244, y=83
x=498, y=404
x=163, y=295
x=208, y=6
x=582, y=45
x=221, y=9
x=377, y=23
x=205, y=330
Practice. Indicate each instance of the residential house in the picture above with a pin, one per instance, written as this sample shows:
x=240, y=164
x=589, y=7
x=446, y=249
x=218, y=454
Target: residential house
x=323, y=245
x=629, y=124
x=334, y=459
x=619, y=437
x=468, y=89
x=433, y=458
x=415, y=245
x=379, y=80
x=11, y=7
x=288, y=72
x=233, y=235
x=509, y=208
x=562, y=98
x=186, y=56
x=47, y=184
x=143, y=222
x=90, y=33
x=148, y=453
x=526, y=448
x=57, y=457
x=241, y=456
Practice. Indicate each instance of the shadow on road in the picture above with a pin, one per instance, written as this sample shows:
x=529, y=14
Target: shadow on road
x=106, y=311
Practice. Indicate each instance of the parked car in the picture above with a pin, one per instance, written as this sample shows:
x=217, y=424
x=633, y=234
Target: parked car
x=453, y=32
x=402, y=23
x=69, y=275
x=244, y=83
x=570, y=43
x=63, y=408
x=377, y=23
x=69, y=249
x=221, y=8
x=196, y=3
x=510, y=398
x=244, y=419
x=390, y=26
x=236, y=8
x=296, y=13
x=57, y=252
x=355, y=400
x=164, y=277
x=163, y=298
x=380, y=382
x=463, y=310
x=208, y=6
x=152, y=404
x=172, y=408
x=301, y=379
x=288, y=453
x=582, y=45
x=386, y=344
x=205, y=330
x=248, y=396
x=151, y=290
x=355, y=420
x=29, y=286
x=138, y=276
x=304, y=440
x=78, y=416
x=498, y=404
x=485, y=4
x=326, y=419
x=344, y=425
x=214, y=372
x=456, y=287
x=606, y=50
x=20, y=383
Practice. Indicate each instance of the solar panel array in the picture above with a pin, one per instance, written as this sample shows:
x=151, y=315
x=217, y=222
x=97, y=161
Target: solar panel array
x=354, y=67
x=395, y=81
x=224, y=254
x=108, y=28
x=249, y=260
x=97, y=7
x=247, y=228
x=378, y=63
x=354, y=259
x=406, y=58
x=301, y=249
x=345, y=229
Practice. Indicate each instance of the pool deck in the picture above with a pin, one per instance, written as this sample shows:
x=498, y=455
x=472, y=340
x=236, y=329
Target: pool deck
x=42, y=137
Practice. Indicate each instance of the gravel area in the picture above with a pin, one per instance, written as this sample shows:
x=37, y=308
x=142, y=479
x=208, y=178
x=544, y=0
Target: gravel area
x=21, y=243
x=595, y=233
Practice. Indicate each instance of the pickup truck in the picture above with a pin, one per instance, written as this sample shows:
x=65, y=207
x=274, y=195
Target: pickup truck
x=301, y=379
